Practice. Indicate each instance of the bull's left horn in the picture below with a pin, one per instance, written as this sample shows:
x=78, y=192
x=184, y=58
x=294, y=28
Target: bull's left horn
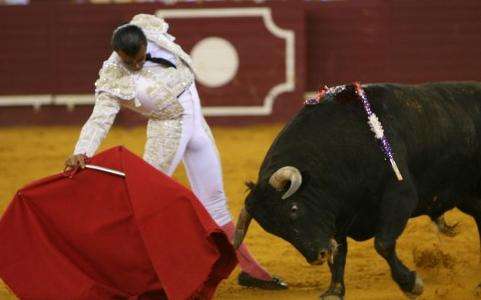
x=284, y=174
x=241, y=228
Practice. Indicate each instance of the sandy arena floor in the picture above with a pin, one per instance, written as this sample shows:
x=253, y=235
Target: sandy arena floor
x=449, y=266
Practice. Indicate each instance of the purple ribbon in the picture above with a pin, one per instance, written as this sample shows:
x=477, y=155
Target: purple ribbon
x=384, y=143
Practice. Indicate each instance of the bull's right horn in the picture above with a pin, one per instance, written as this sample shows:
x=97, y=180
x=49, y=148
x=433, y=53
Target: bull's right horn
x=241, y=228
x=282, y=176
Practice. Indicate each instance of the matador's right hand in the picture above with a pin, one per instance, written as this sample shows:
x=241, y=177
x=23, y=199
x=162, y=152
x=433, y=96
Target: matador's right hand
x=74, y=161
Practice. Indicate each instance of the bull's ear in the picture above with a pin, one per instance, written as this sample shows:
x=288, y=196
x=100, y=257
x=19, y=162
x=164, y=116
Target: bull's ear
x=254, y=194
x=250, y=201
x=251, y=186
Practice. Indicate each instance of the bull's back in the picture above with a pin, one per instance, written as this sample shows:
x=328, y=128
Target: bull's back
x=431, y=108
x=435, y=122
x=440, y=126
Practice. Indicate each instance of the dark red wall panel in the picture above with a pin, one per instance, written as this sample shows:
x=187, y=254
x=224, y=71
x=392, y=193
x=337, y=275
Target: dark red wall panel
x=26, y=61
x=435, y=40
x=346, y=41
x=401, y=41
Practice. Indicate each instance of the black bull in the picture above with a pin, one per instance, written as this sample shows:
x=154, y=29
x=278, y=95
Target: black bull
x=325, y=177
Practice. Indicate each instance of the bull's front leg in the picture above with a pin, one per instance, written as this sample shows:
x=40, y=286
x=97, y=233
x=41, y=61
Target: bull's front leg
x=398, y=203
x=409, y=281
x=336, y=289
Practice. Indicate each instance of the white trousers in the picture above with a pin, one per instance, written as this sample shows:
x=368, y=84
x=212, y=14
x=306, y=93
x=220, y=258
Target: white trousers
x=194, y=145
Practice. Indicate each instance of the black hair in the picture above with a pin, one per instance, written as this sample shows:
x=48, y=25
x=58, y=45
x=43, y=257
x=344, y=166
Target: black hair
x=128, y=38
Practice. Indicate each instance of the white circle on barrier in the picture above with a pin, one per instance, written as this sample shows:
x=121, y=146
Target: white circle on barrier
x=215, y=61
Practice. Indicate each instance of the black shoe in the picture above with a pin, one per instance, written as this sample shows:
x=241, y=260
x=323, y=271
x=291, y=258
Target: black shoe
x=275, y=283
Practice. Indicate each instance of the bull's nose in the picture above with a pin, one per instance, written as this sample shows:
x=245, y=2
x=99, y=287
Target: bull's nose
x=323, y=254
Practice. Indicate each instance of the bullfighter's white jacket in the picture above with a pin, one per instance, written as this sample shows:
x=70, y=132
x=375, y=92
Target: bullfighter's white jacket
x=118, y=86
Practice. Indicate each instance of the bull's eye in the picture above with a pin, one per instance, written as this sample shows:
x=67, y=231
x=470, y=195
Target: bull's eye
x=294, y=208
x=294, y=211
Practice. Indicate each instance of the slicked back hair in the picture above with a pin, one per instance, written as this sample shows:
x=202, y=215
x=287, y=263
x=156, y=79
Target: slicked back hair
x=128, y=38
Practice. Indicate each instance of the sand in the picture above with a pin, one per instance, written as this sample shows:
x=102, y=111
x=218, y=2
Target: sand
x=449, y=266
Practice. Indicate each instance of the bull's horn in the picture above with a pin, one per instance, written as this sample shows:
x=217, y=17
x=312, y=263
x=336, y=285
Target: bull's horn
x=284, y=174
x=241, y=228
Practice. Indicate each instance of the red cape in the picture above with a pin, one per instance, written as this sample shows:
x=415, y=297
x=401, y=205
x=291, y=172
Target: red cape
x=102, y=236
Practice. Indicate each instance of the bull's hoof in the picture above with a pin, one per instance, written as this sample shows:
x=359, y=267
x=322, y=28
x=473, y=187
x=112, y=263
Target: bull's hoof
x=417, y=289
x=326, y=296
x=334, y=292
x=444, y=228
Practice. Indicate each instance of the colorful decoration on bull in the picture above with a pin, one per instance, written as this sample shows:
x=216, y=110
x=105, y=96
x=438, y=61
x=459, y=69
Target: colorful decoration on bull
x=344, y=94
x=376, y=127
x=318, y=97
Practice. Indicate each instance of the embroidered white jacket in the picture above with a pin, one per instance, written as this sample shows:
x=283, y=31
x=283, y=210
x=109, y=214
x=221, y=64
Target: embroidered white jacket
x=116, y=87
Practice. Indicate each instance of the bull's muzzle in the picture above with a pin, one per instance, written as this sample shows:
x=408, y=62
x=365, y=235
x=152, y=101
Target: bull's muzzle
x=328, y=254
x=241, y=228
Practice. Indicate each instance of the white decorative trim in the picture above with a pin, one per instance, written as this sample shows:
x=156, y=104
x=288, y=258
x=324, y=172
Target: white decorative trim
x=222, y=111
x=75, y=100
x=36, y=101
x=25, y=100
x=266, y=14
x=72, y=100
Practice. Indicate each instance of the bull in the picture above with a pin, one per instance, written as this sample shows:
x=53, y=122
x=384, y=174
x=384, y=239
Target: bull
x=325, y=177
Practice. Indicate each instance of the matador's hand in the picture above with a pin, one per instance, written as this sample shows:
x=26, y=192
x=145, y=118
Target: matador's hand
x=74, y=161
